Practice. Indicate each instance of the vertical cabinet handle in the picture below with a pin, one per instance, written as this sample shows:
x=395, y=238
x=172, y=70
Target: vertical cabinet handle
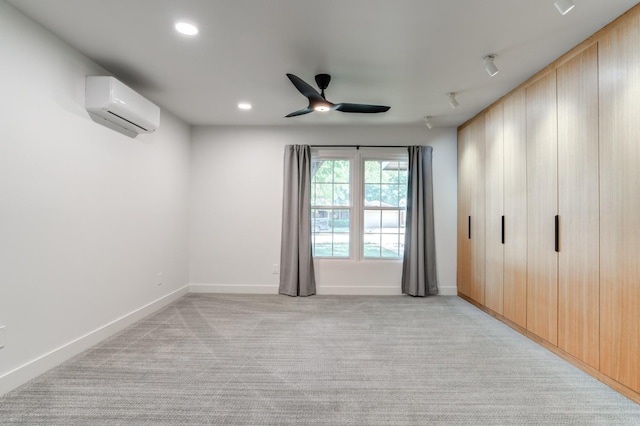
x=469, y=227
x=502, y=225
x=557, y=236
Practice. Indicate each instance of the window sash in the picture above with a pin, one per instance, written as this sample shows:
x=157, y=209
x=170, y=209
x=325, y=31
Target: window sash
x=329, y=239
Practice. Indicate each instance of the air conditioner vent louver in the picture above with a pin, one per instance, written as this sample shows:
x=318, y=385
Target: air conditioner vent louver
x=122, y=118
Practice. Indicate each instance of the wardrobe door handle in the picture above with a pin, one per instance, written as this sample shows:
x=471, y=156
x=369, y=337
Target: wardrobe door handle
x=469, y=227
x=502, y=237
x=557, y=236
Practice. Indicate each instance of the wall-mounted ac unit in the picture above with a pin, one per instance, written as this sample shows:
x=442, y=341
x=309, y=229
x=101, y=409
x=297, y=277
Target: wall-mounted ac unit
x=112, y=104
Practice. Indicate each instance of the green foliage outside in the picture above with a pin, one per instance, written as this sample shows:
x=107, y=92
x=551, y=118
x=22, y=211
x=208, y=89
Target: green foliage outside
x=384, y=187
x=330, y=183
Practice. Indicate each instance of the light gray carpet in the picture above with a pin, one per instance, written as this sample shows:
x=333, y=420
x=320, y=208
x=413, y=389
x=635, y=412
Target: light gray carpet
x=323, y=360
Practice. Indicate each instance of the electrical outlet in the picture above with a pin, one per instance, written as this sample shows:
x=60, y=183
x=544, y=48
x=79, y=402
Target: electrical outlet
x=2, y=334
x=159, y=279
x=275, y=269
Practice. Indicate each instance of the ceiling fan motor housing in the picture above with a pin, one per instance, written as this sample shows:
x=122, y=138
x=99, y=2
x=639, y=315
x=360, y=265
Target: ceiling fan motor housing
x=323, y=80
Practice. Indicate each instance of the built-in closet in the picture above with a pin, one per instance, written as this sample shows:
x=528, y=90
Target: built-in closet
x=471, y=211
x=578, y=207
x=494, y=216
x=515, y=209
x=619, y=94
x=542, y=208
x=549, y=206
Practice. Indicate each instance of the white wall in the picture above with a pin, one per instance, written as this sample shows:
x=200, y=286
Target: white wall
x=88, y=217
x=236, y=207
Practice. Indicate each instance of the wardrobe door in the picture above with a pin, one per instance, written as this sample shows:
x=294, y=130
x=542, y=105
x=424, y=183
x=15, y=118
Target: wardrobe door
x=619, y=71
x=515, y=209
x=542, y=258
x=494, y=140
x=578, y=208
x=477, y=151
x=464, y=212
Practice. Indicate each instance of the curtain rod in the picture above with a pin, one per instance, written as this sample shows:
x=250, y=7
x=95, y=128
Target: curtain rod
x=359, y=146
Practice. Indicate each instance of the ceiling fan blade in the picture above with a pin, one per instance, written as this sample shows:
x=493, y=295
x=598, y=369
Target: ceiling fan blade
x=305, y=88
x=299, y=112
x=362, y=108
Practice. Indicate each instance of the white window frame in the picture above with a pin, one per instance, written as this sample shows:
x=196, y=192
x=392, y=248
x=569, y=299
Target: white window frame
x=357, y=157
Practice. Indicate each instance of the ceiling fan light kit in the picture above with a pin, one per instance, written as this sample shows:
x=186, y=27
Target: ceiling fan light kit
x=318, y=101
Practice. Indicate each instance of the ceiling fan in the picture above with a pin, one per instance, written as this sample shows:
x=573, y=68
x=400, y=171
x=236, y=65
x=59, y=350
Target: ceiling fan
x=318, y=102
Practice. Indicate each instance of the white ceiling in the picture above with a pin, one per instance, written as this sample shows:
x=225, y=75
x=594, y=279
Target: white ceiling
x=404, y=53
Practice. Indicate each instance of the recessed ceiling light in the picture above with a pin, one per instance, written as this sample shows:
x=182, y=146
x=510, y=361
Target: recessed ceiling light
x=244, y=105
x=186, y=28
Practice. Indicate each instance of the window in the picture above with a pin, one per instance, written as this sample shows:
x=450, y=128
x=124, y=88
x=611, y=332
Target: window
x=358, y=202
x=385, y=201
x=331, y=207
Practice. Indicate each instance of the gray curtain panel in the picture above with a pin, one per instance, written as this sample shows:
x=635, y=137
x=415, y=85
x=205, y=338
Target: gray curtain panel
x=419, y=276
x=296, y=261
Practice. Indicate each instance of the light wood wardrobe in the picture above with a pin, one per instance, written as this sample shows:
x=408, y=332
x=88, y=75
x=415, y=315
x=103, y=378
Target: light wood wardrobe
x=619, y=71
x=550, y=176
x=506, y=209
x=471, y=211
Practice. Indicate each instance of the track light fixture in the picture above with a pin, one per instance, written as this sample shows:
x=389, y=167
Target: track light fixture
x=452, y=100
x=428, y=123
x=489, y=65
x=564, y=6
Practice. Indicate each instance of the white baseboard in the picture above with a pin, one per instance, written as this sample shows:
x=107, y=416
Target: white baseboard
x=234, y=288
x=392, y=290
x=375, y=290
x=273, y=289
x=34, y=368
x=358, y=290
